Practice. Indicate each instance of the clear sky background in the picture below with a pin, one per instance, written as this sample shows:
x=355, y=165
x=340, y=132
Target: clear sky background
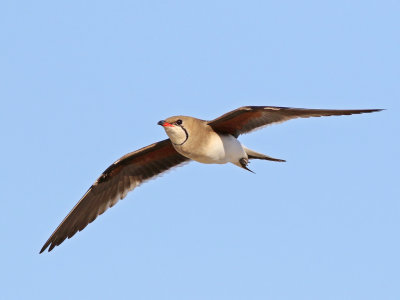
x=84, y=82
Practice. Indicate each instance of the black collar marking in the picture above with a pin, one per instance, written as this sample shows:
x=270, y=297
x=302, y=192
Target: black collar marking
x=187, y=136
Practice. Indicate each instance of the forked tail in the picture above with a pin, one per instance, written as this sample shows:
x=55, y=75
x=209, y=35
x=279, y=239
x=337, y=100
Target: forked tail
x=255, y=155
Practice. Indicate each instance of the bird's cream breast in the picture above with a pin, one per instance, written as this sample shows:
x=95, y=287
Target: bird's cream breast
x=212, y=148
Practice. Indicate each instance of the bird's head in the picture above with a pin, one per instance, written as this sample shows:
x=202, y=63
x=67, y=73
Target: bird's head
x=175, y=129
x=178, y=128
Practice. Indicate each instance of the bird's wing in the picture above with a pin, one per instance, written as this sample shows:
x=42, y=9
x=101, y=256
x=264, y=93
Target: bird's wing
x=121, y=177
x=248, y=118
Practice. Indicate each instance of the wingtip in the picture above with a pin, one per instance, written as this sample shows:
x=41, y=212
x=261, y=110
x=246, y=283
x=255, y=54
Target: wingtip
x=43, y=249
x=373, y=110
x=46, y=245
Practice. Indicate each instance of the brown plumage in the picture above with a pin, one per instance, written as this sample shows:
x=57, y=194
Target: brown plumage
x=248, y=118
x=116, y=181
x=136, y=167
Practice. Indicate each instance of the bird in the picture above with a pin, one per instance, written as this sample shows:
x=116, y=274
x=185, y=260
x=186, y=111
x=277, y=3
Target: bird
x=189, y=139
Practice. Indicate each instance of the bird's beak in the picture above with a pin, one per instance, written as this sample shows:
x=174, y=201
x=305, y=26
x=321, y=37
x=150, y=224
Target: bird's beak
x=164, y=123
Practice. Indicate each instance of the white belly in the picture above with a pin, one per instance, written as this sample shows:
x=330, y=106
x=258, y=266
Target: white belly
x=219, y=149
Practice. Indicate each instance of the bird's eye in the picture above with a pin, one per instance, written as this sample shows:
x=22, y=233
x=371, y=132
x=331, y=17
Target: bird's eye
x=179, y=122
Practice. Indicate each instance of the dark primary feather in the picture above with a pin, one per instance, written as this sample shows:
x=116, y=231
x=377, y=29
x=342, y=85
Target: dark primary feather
x=121, y=177
x=248, y=118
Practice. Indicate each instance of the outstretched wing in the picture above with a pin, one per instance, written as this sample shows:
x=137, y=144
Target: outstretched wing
x=248, y=118
x=121, y=177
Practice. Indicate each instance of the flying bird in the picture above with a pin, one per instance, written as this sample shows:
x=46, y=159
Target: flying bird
x=208, y=142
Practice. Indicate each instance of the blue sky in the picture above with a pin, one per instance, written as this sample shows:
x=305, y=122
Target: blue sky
x=84, y=82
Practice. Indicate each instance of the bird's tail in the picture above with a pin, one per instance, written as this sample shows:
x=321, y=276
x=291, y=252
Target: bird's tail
x=255, y=155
